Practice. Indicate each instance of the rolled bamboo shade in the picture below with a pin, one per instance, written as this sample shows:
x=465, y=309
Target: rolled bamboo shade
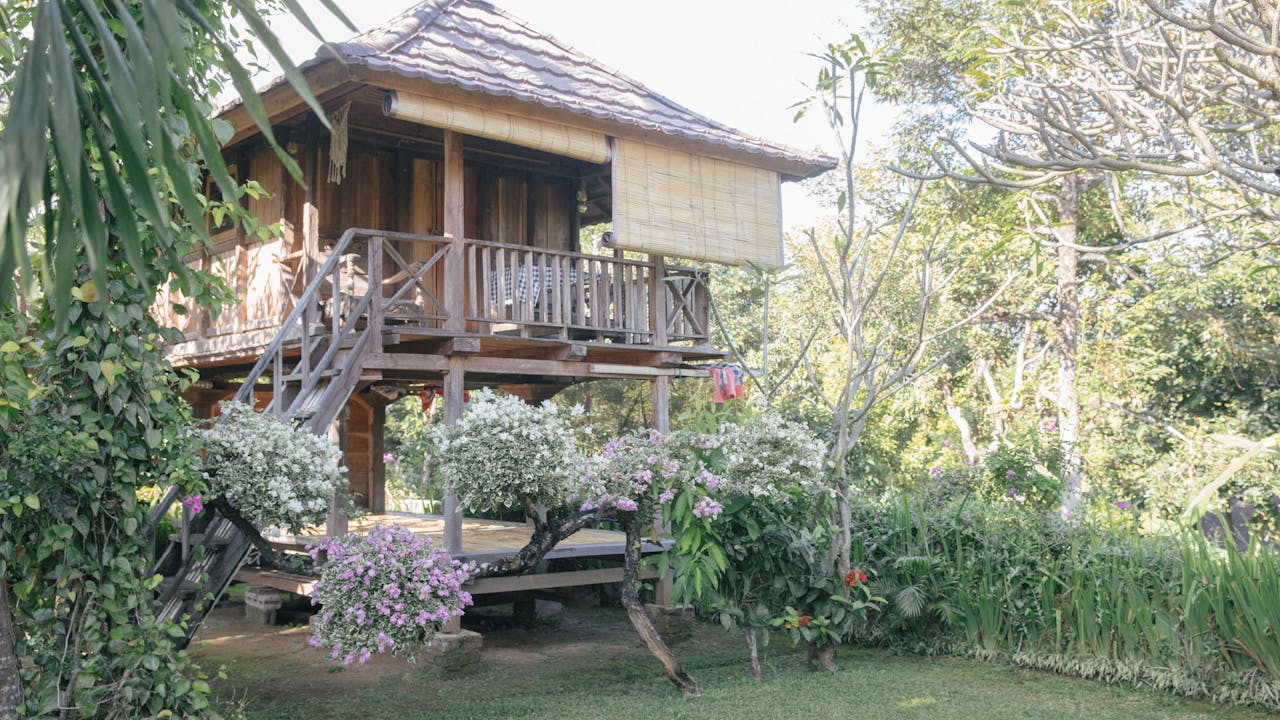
x=669, y=202
x=550, y=137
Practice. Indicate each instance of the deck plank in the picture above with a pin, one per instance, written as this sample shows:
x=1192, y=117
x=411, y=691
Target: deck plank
x=482, y=540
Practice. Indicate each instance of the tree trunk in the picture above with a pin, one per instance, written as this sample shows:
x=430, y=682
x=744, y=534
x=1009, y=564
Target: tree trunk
x=1067, y=324
x=823, y=657
x=753, y=644
x=11, y=701
x=640, y=619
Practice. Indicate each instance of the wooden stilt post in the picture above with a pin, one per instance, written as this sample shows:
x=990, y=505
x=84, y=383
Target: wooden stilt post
x=660, y=393
x=454, y=386
x=336, y=524
x=378, y=466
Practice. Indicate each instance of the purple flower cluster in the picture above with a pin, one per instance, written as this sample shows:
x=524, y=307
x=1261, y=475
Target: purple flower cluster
x=707, y=508
x=384, y=590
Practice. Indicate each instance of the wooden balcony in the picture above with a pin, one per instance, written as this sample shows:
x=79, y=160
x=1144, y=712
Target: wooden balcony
x=434, y=286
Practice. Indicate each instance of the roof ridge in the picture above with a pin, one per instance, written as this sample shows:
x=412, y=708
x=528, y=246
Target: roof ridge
x=398, y=29
x=591, y=60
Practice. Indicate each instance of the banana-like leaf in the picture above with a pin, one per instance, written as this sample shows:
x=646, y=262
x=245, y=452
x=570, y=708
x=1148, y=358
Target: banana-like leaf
x=106, y=106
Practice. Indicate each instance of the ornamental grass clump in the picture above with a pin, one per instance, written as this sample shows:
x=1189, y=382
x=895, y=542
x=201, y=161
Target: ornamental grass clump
x=388, y=591
x=505, y=453
x=275, y=473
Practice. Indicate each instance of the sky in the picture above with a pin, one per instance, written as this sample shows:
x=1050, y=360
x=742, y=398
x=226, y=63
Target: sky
x=741, y=62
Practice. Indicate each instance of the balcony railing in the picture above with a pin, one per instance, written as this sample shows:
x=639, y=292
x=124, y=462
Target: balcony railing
x=474, y=287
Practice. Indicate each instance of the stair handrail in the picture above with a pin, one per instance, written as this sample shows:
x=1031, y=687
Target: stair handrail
x=300, y=308
x=161, y=508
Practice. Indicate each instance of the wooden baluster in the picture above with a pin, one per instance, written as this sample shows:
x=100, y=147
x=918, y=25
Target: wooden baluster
x=526, y=314
x=504, y=290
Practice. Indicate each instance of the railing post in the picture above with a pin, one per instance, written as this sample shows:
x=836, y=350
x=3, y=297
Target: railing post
x=658, y=301
x=375, y=287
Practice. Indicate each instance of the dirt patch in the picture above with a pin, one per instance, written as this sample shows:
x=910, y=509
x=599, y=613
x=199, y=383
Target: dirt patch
x=276, y=663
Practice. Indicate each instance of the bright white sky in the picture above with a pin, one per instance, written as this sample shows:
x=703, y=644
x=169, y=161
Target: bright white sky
x=741, y=62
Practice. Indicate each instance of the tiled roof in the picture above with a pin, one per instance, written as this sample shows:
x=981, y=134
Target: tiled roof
x=475, y=46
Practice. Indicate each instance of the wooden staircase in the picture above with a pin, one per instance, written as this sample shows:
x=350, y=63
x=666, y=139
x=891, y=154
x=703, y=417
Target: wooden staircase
x=310, y=368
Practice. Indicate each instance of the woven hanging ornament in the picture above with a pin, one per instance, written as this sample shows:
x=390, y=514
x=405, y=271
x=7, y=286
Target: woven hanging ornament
x=338, y=144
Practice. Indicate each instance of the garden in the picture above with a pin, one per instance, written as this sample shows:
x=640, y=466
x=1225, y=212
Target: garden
x=1011, y=446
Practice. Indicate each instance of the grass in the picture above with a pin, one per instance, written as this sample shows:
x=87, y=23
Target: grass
x=593, y=667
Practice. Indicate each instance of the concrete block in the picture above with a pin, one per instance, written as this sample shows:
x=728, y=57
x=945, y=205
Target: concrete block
x=673, y=622
x=260, y=605
x=453, y=652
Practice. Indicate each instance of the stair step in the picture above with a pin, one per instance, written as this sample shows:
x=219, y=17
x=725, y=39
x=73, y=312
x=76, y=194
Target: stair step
x=296, y=377
x=186, y=588
x=199, y=539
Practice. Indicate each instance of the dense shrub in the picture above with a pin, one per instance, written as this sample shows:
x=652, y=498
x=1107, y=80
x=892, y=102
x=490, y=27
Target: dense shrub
x=505, y=453
x=275, y=473
x=999, y=581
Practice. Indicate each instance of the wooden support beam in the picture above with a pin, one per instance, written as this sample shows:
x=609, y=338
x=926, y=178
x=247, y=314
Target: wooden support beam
x=660, y=398
x=378, y=479
x=412, y=362
x=336, y=523
x=658, y=300
x=454, y=387
x=542, y=581
x=461, y=346
x=455, y=229
x=577, y=352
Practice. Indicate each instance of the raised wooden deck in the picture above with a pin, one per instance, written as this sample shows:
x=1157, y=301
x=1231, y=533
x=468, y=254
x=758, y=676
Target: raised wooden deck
x=482, y=541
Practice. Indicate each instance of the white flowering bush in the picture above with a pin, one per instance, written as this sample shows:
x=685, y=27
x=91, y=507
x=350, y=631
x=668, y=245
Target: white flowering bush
x=505, y=453
x=388, y=591
x=766, y=456
x=274, y=473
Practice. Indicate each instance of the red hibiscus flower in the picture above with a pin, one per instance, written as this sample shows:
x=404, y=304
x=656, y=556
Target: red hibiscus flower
x=854, y=577
x=803, y=621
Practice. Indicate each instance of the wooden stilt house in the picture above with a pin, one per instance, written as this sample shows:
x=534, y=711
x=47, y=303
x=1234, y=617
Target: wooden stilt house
x=438, y=244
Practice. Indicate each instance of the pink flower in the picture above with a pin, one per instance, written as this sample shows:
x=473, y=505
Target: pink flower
x=666, y=497
x=194, y=504
x=707, y=508
x=625, y=504
x=390, y=458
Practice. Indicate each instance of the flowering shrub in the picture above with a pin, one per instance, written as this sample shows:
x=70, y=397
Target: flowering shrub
x=389, y=590
x=504, y=453
x=766, y=457
x=273, y=472
x=635, y=473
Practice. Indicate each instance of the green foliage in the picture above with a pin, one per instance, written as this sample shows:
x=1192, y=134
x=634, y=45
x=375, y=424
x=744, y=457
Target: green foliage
x=103, y=107
x=102, y=423
x=1000, y=581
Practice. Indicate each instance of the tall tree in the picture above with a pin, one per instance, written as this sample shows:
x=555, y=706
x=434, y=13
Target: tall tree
x=879, y=278
x=1082, y=100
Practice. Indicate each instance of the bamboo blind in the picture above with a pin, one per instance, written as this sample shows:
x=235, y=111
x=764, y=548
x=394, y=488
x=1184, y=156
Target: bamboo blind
x=669, y=202
x=550, y=137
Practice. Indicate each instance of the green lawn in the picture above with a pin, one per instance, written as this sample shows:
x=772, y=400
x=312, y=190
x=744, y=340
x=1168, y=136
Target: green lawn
x=591, y=666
